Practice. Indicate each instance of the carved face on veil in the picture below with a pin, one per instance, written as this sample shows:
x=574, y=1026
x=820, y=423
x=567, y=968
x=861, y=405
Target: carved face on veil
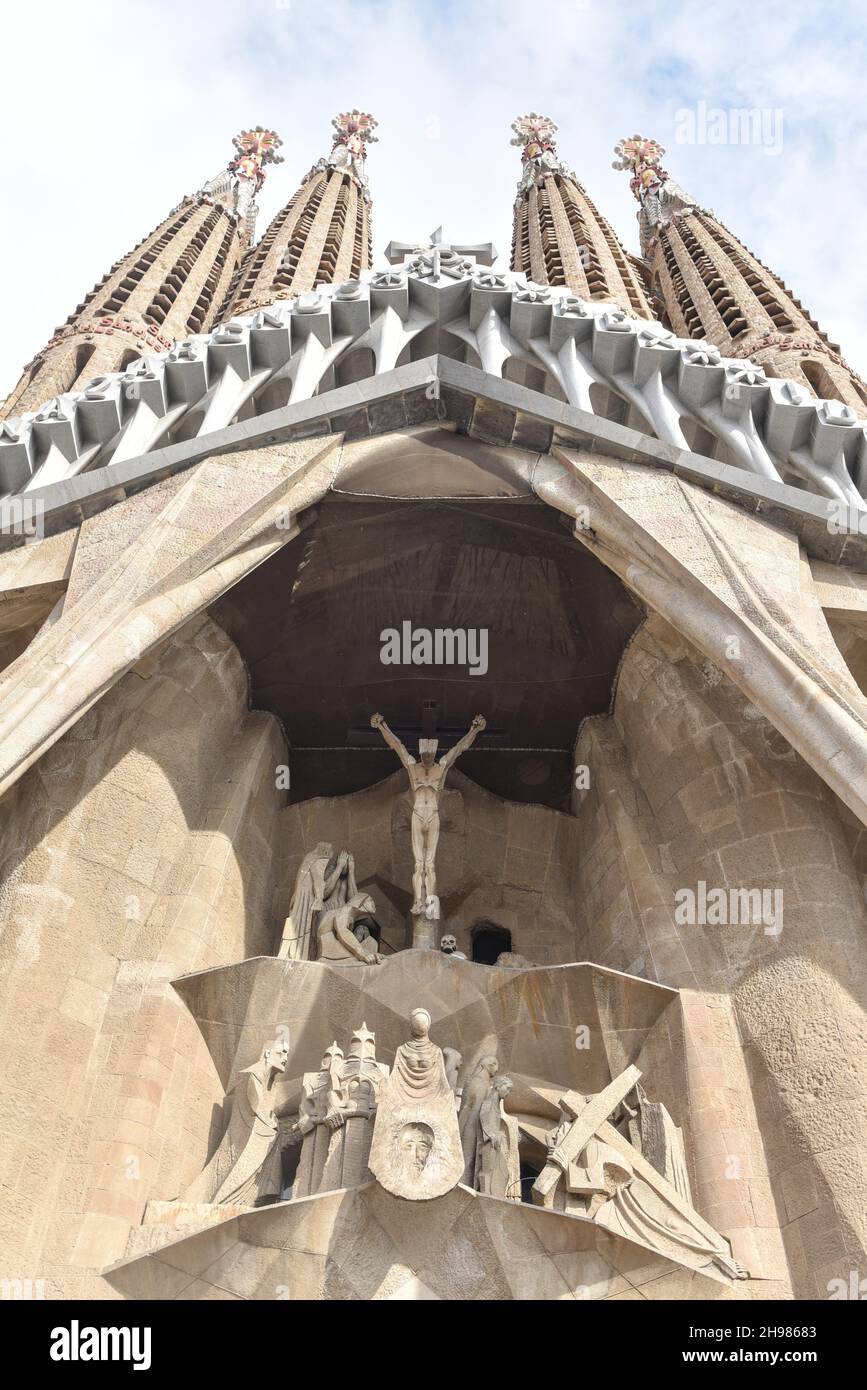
x=415, y=1144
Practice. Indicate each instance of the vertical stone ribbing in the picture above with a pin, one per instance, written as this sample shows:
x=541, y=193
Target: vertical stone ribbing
x=713, y=287
x=322, y=235
x=559, y=236
x=169, y=286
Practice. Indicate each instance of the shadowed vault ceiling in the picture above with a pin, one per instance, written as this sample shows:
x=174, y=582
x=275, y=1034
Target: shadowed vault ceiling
x=308, y=624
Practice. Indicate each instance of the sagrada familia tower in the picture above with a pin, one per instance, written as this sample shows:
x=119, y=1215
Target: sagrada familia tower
x=433, y=761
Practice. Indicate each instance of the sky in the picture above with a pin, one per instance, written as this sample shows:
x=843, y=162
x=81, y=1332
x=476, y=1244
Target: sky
x=111, y=112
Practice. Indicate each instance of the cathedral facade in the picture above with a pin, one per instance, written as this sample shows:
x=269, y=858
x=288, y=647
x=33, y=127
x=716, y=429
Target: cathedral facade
x=433, y=761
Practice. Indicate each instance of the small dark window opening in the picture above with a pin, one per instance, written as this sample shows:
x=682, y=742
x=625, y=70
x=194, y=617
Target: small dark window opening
x=290, y=1158
x=529, y=1174
x=489, y=941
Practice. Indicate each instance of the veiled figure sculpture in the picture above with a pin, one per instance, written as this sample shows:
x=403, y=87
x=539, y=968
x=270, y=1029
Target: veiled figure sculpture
x=416, y=1150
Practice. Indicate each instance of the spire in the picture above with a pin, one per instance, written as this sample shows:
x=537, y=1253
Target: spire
x=660, y=198
x=255, y=149
x=167, y=287
x=560, y=238
x=322, y=235
x=714, y=288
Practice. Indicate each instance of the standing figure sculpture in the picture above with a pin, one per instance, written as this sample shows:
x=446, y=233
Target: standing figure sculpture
x=246, y=1168
x=472, y=1096
x=416, y=1149
x=498, y=1162
x=426, y=780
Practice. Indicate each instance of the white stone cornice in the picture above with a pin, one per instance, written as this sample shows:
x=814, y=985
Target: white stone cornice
x=770, y=428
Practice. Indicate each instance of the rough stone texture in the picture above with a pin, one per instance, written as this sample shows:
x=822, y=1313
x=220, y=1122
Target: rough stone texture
x=169, y=286
x=561, y=238
x=138, y=840
x=322, y=235
x=138, y=848
x=689, y=783
x=736, y=587
x=219, y=521
x=367, y=1245
x=715, y=288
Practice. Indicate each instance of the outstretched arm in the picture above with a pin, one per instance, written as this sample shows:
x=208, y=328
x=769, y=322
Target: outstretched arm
x=377, y=722
x=464, y=743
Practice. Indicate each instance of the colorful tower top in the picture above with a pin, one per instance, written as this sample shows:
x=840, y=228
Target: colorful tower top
x=255, y=148
x=559, y=237
x=236, y=186
x=322, y=235
x=534, y=134
x=713, y=287
x=660, y=198
x=353, y=132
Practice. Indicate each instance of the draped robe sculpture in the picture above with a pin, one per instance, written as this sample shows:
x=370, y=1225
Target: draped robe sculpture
x=324, y=881
x=472, y=1098
x=416, y=1151
x=246, y=1168
x=498, y=1164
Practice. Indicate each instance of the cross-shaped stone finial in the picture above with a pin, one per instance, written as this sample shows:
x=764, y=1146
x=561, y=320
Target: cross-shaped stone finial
x=396, y=252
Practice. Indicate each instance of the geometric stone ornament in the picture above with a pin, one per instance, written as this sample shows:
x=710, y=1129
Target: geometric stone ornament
x=362, y=1245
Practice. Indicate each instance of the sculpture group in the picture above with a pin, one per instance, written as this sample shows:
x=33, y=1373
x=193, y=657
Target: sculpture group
x=427, y=1123
x=328, y=915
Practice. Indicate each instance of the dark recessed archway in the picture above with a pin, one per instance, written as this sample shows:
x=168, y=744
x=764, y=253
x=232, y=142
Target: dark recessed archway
x=310, y=623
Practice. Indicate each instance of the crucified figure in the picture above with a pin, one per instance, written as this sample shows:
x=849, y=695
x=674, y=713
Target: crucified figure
x=426, y=779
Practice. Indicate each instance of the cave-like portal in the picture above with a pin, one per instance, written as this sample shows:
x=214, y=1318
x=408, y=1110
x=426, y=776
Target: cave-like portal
x=431, y=611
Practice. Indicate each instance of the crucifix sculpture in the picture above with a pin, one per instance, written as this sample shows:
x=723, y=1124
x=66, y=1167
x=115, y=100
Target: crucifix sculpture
x=426, y=779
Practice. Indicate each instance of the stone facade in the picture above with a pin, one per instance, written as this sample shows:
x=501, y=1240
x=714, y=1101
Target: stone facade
x=613, y=1047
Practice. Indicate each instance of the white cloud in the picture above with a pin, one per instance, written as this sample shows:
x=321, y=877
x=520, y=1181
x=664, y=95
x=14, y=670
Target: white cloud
x=112, y=112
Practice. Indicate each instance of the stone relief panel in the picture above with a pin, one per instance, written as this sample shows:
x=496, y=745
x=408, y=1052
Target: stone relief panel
x=438, y=1118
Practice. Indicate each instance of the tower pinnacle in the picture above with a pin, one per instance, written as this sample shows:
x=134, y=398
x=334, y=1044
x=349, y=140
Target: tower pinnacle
x=713, y=287
x=534, y=135
x=659, y=197
x=322, y=235
x=353, y=132
x=255, y=149
x=167, y=287
x=560, y=238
